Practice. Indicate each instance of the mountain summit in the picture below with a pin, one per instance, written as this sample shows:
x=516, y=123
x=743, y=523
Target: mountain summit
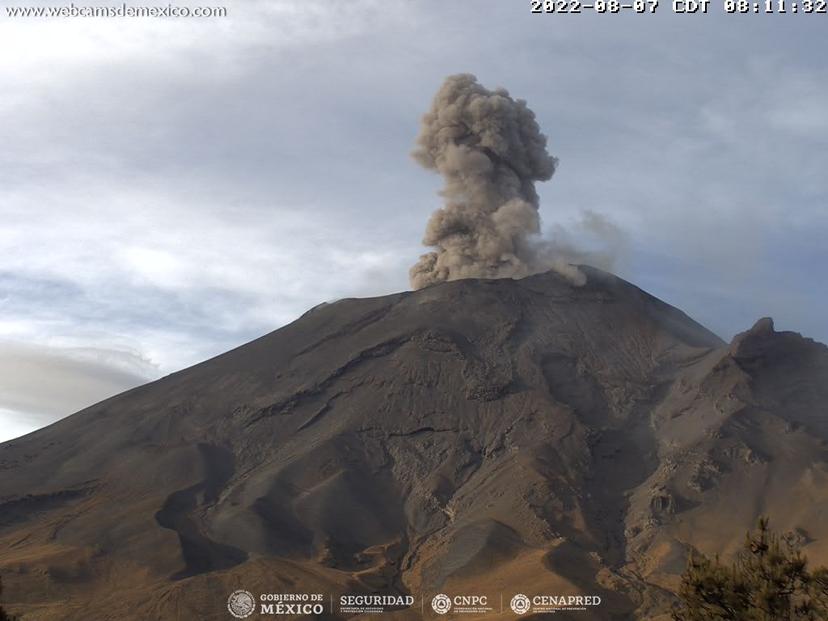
x=476, y=436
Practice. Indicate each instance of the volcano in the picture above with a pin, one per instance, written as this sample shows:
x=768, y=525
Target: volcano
x=478, y=437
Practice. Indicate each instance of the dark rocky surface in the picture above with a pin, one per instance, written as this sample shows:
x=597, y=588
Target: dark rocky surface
x=500, y=436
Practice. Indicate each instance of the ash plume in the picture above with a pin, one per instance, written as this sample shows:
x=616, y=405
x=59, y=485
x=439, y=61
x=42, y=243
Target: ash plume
x=489, y=149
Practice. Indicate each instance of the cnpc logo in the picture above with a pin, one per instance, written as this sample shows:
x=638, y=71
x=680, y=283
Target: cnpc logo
x=442, y=603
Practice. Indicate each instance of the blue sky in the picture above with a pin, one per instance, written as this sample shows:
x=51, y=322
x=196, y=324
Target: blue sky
x=170, y=189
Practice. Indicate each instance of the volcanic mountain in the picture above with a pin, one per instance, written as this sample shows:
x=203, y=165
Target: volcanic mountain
x=478, y=436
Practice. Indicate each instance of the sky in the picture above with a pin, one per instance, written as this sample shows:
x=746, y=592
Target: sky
x=172, y=188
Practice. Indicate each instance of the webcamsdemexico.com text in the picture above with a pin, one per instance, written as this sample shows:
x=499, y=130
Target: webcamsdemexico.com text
x=121, y=10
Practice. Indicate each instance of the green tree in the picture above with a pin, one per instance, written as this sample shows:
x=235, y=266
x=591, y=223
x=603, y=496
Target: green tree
x=768, y=581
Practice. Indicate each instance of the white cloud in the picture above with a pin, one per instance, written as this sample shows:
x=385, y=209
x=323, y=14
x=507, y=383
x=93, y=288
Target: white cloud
x=172, y=188
x=39, y=383
x=16, y=424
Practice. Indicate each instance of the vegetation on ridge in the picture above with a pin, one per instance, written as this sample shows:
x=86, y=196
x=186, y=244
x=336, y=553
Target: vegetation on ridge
x=4, y=616
x=768, y=581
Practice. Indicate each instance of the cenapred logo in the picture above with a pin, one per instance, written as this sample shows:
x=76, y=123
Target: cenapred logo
x=520, y=604
x=241, y=604
x=441, y=604
x=550, y=604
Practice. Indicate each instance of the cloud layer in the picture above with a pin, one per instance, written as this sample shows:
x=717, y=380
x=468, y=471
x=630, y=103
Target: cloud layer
x=170, y=189
x=39, y=384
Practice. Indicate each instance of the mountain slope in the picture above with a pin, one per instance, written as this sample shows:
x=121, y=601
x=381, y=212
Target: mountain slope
x=500, y=436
